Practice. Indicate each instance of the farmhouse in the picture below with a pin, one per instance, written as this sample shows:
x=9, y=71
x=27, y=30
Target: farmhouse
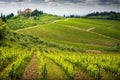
x=25, y=11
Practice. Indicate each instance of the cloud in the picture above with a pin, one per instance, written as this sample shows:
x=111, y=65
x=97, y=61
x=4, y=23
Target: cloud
x=60, y=6
x=62, y=2
x=99, y=2
x=15, y=1
x=109, y=2
x=21, y=1
x=2, y=2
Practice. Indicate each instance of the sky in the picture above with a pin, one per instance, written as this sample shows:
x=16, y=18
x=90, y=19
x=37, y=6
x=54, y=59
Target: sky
x=60, y=7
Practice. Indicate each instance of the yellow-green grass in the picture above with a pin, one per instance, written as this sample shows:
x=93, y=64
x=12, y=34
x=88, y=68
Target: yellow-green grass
x=106, y=27
x=19, y=22
x=65, y=33
x=78, y=45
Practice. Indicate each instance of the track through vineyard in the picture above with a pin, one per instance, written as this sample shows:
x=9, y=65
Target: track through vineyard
x=31, y=71
x=54, y=72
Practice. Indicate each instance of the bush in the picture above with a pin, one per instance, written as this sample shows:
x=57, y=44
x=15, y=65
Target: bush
x=2, y=29
x=114, y=48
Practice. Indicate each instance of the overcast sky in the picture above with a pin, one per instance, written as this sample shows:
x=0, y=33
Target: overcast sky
x=60, y=7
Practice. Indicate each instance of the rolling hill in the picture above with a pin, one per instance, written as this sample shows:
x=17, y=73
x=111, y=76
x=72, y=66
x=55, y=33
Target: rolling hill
x=85, y=33
x=49, y=47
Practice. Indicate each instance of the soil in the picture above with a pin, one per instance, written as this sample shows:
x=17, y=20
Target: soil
x=31, y=71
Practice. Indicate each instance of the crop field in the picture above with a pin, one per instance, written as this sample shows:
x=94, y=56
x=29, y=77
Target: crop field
x=57, y=65
x=49, y=47
x=89, y=32
x=12, y=62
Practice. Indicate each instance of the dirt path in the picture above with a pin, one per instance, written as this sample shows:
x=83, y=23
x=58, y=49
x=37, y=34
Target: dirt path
x=34, y=26
x=80, y=75
x=90, y=29
x=73, y=27
x=31, y=71
x=26, y=28
x=54, y=72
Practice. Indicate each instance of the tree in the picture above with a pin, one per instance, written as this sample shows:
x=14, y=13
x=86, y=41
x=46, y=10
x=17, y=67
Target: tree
x=2, y=29
x=9, y=16
x=112, y=16
x=3, y=17
x=105, y=15
x=36, y=13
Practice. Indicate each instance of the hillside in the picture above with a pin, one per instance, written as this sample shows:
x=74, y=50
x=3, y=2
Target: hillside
x=19, y=22
x=50, y=47
x=82, y=33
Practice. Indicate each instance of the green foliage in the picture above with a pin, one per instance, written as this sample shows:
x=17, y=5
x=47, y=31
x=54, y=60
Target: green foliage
x=18, y=66
x=9, y=16
x=29, y=41
x=2, y=29
x=104, y=15
x=75, y=31
x=19, y=22
x=36, y=13
x=114, y=48
x=94, y=65
x=13, y=61
x=42, y=66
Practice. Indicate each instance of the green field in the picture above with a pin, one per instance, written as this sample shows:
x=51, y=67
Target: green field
x=19, y=22
x=50, y=47
x=82, y=32
x=54, y=64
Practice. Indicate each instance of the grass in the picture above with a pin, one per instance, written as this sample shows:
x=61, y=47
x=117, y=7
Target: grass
x=72, y=22
x=23, y=41
x=114, y=33
x=79, y=45
x=63, y=33
x=54, y=72
x=58, y=41
x=75, y=32
x=19, y=22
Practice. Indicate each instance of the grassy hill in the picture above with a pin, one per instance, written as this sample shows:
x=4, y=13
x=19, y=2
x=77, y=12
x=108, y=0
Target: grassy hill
x=49, y=47
x=19, y=22
x=85, y=33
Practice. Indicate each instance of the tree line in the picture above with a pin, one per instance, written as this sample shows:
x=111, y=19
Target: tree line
x=31, y=14
x=72, y=16
x=112, y=15
x=5, y=17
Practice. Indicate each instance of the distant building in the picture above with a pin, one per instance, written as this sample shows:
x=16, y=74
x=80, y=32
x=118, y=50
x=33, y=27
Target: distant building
x=25, y=11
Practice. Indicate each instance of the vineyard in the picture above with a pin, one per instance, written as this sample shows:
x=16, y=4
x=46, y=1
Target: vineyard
x=95, y=65
x=12, y=62
x=50, y=47
x=75, y=65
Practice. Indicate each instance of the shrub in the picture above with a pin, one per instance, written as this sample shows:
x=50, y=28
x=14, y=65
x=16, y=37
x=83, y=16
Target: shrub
x=2, y=29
